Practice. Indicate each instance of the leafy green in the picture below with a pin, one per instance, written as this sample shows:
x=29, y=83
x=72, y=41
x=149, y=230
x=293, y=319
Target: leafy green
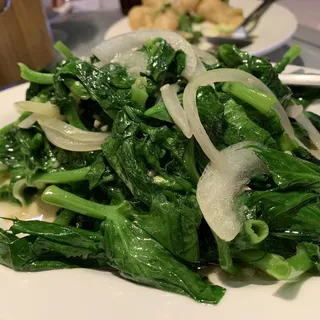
x=132, y=207
x=261, y=68
x=117, y=76
x=142, y=259
x=288, y=171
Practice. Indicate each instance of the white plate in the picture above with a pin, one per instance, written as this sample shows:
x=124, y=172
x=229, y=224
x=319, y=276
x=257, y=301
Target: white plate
x=275, y=28
x=88, y=294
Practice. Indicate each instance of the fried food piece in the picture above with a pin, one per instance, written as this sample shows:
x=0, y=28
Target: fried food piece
x=140, y=17
x=167, y=20
x=188, y=5
x=155, y=4
x=219, y=12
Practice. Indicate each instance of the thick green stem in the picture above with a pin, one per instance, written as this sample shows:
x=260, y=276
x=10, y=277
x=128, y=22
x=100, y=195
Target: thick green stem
x=256, y=98
x=64, y=50
x=286, y=143
x=272, y=264
x=300, y=263
x=256, y=230
x=65, y=217
x=138, y=91
x=189, y=160
x=77, y=88
x=6, y=129
x=225, y=258
x=288, y=58
x=61, y=198
x=33, y=76
x=61, y=176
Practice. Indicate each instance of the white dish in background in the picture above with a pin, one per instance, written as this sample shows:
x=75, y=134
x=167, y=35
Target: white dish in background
x=89, y=294
x=275, y=27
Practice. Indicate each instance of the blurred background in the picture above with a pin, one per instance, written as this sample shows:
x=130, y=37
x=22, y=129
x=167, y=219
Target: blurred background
x=29, y=28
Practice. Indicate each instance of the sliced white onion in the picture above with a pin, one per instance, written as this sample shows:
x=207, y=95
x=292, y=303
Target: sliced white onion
x=216, y=189
x=71, y=132
x=296, y=112
x=17, y=190
x=63, y=142
x=107, y=50
x=175, y=87
x=27, y=122
x=200, y=68
x=135, y=61
x=224, y=75
x=46, y=109
x=177, y=113
x=205, y=56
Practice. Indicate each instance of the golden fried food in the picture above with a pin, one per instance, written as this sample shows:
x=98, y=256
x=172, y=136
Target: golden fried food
x=152, y=14
x=188, y=5
x=155, y=4
x=140, y=17
x=167, y=20
x=219, y=12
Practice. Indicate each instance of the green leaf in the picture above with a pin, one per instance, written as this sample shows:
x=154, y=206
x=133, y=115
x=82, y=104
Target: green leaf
x=61, y=234
x=94, y=80
x=290, y=172
x=179, y=224
x=117, y=76
x=160, y=56
x=239, y=127
x=141, y=259
x=274, y=205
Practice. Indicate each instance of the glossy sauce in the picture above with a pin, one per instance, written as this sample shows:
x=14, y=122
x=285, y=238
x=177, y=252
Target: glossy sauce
x=38, y=210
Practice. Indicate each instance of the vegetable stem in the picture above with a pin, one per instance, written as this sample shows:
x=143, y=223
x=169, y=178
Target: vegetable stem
x=77, y=88
x=286, y=143
x=189, y=159
x=64, y=50
x=256, y=98
x=61, y=198
x=257, y=230
x=288, y=58
x=272, y=264
x=65, y=217
x=61, y=176
x=225, y=258
x=300, y=263
x=6, y=129
x=138, y=91
x=33, y=76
